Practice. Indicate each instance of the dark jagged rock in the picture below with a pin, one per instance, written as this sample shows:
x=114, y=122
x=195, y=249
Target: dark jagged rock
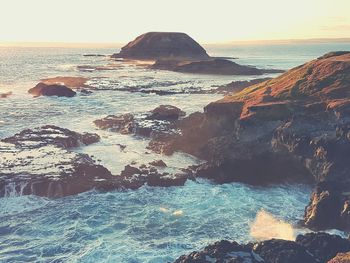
x=322, y=245
x=157, y=123
x=134, y=177
x=221, y=252
x=308, y=248
x=46, y=166
x=162, y=45
x=297, y=123
x=42, y=89
x=283, y=251
x=329, y=207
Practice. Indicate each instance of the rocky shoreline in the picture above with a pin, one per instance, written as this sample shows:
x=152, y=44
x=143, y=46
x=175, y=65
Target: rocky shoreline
x=309, y=248
x=294, y=128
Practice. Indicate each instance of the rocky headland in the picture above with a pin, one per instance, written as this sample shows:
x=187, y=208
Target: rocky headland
x=294, y=128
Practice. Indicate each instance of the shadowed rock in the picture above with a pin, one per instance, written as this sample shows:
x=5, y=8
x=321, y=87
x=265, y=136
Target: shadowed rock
x=323, y=246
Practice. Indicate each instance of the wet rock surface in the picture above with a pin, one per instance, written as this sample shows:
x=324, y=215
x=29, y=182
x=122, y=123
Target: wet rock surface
x=42, y=89
x=40, y=162
x=156, y=123
x=43, y=162
x=293, y=128
x=308, y=248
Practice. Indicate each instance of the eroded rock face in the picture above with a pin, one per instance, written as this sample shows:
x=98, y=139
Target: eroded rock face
x=42, y=89
x=40, y=162
x=162, y=45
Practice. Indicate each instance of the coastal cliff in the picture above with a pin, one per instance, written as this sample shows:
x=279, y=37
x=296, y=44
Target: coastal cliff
x=294, y=128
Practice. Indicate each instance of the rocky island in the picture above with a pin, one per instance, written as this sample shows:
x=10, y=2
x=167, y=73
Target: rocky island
x=179, y=52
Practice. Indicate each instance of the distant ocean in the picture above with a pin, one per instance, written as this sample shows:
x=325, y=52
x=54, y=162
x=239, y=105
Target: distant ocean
x=150, y=224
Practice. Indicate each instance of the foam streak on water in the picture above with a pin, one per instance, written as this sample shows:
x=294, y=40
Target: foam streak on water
x=147, y=225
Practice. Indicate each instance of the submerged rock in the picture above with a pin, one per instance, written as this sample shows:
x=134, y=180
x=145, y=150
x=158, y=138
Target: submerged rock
x=162, y=45
x=42, y=89
x=5, y=95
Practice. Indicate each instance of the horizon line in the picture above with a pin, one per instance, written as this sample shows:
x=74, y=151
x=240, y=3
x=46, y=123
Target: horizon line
x=64, y=44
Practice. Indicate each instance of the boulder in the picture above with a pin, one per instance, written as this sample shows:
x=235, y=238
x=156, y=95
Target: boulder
x=162, y=45
x=42, y=89
x=166, y=112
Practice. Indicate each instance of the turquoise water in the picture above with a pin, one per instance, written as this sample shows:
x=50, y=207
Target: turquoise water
x=147, y=225
x=150, y=224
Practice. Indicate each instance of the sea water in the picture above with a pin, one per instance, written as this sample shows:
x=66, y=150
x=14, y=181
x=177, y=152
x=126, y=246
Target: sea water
x=150, y=224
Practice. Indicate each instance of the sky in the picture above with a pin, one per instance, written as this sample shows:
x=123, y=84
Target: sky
x=218, y=21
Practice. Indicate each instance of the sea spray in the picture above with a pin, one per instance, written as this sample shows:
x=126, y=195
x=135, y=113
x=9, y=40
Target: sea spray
x=266, y=226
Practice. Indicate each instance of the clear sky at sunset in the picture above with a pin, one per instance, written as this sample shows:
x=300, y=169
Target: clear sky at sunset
x=207, y=21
